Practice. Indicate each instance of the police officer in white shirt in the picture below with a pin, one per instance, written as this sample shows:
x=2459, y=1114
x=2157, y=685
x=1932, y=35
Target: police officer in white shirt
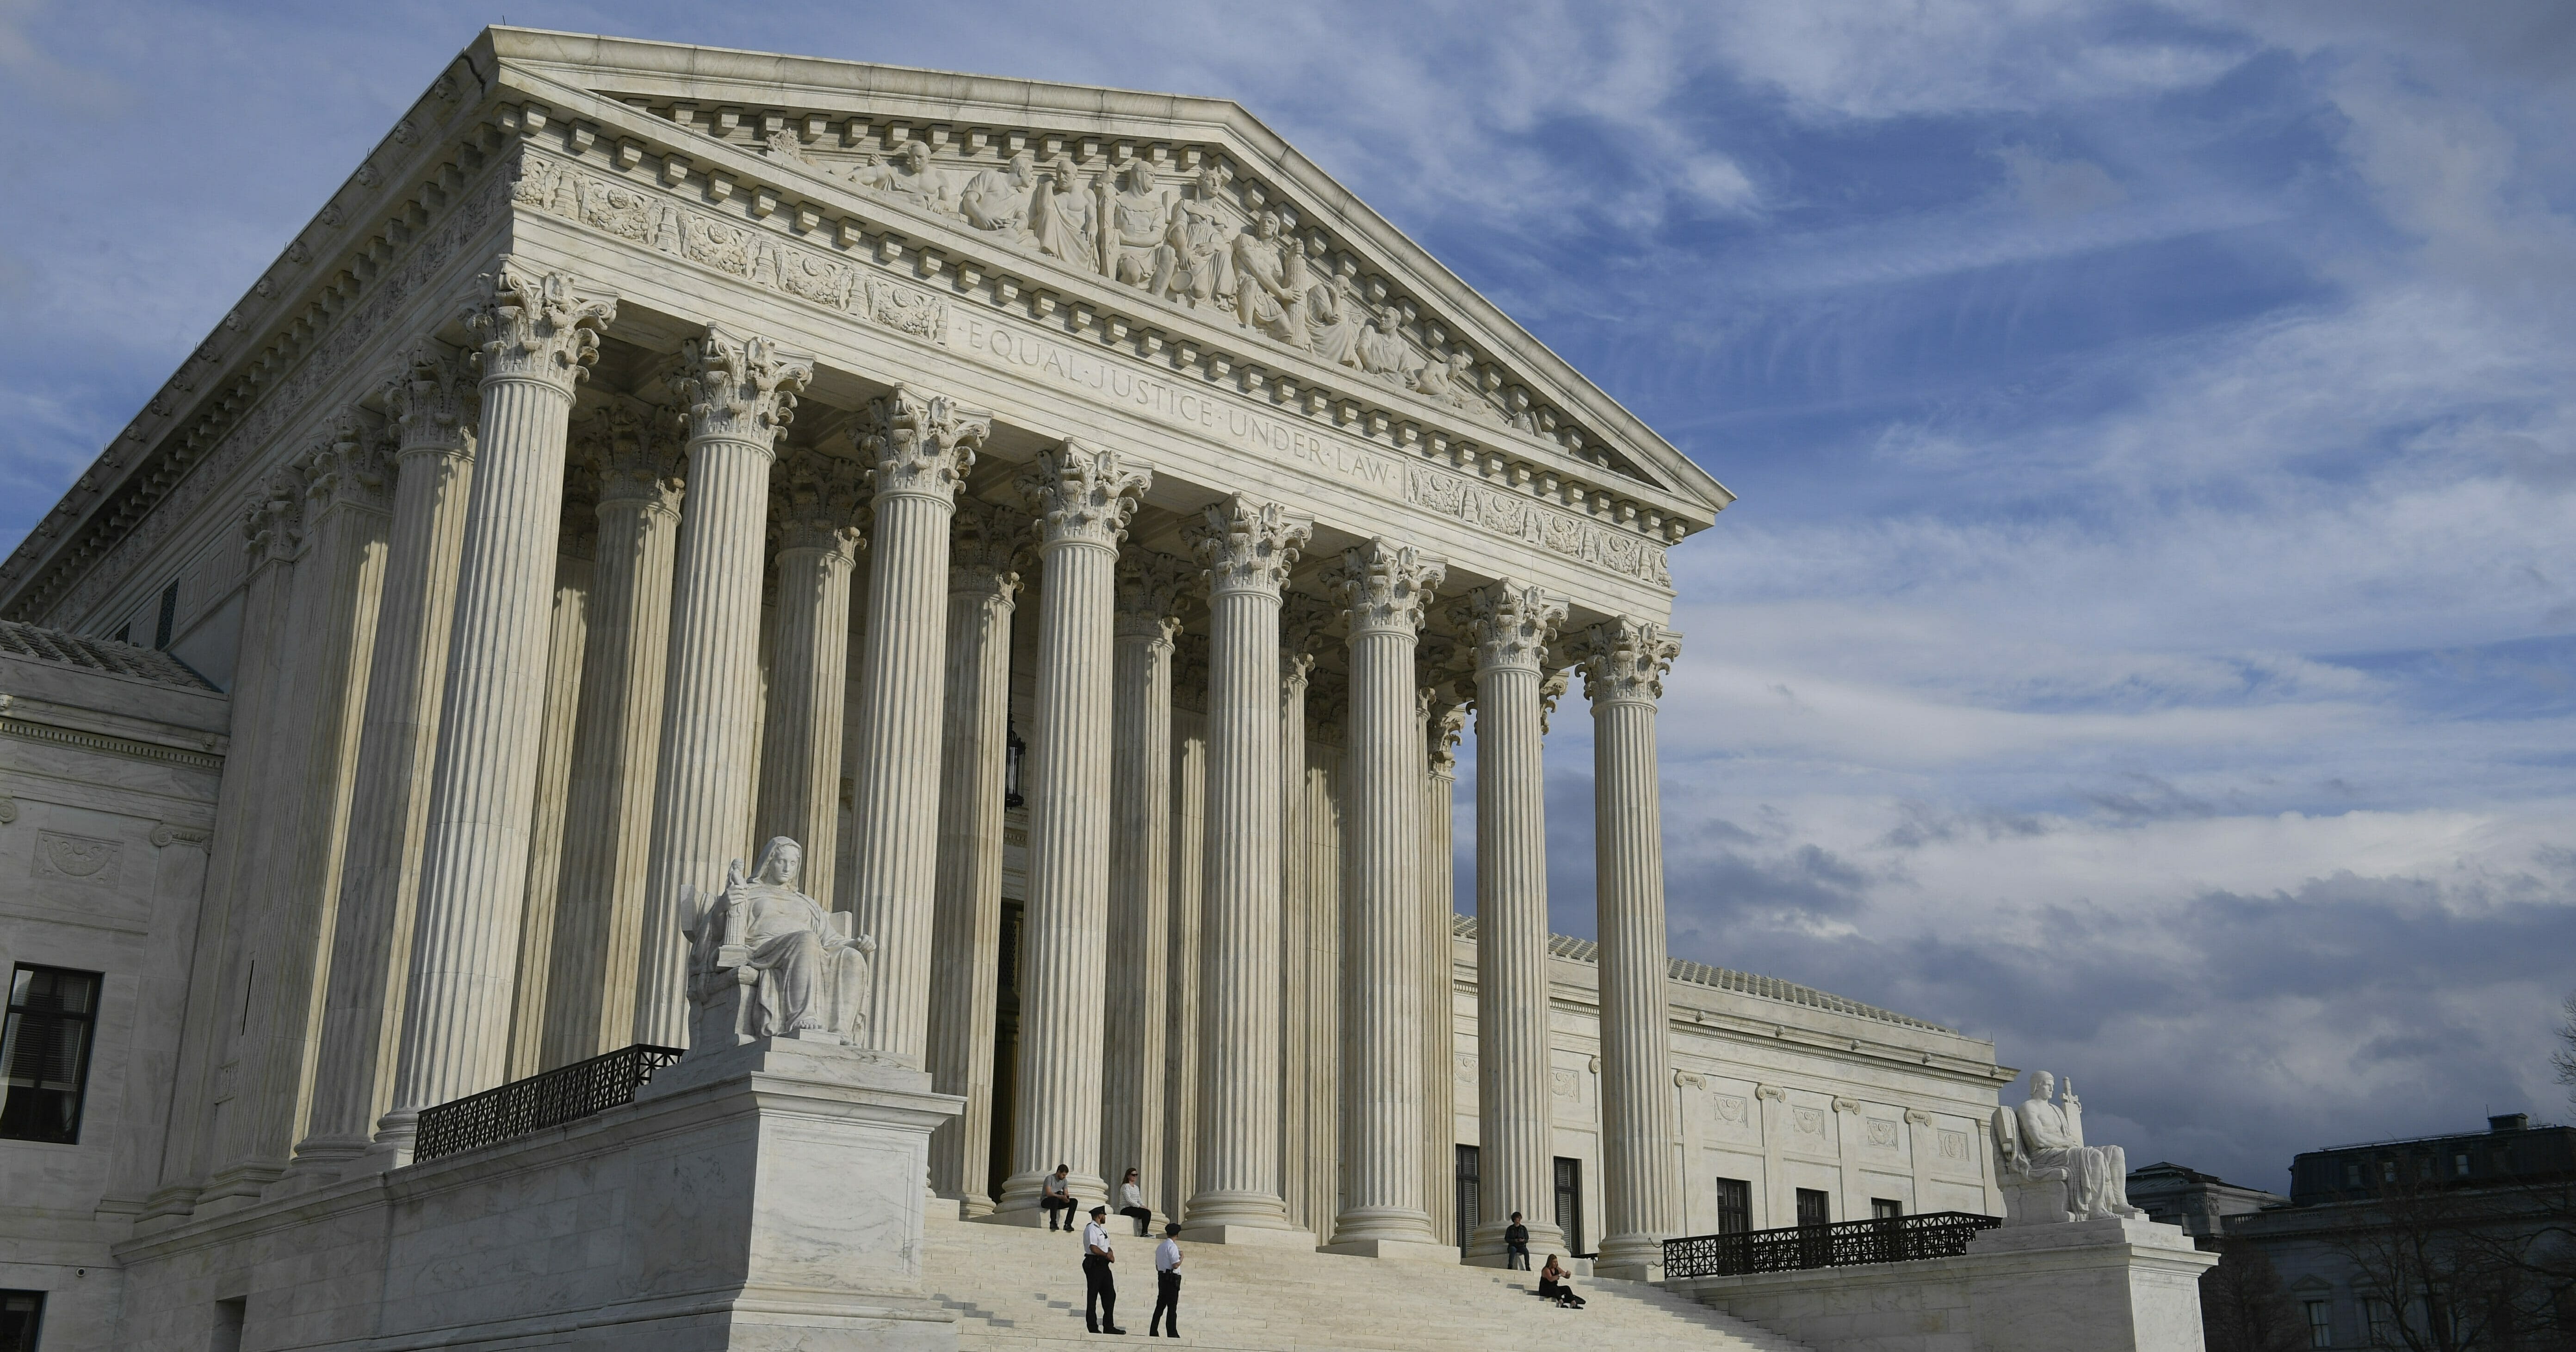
x=1167, y=1284
x=1100, y=1295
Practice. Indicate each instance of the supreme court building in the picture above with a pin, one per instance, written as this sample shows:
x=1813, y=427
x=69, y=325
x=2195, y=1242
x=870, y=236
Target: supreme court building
x=1077, y=522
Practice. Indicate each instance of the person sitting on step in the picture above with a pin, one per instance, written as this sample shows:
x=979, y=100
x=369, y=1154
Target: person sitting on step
x=1131, y=1203
x=1552, y=1285
x=1055, y=1194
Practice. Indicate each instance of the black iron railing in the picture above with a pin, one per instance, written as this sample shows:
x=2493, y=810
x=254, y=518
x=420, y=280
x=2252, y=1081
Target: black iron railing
x=564, y=1094
x=1890, y=1239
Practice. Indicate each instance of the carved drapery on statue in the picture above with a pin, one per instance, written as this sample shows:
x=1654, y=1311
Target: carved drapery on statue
x=766, y=960
x=2049, y=1174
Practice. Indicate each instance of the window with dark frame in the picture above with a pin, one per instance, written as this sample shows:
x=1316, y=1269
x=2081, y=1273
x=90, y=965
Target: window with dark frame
x=1569, y=1203
x=44, y=1052
x=22, y=1317
x=1886, y=1209
x=1734, y=1206
x=1467, y=1206
x=1814, y=1207
x=2320, y=1324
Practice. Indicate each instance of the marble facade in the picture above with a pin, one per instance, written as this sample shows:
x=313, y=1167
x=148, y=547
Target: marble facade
x=1074, y=519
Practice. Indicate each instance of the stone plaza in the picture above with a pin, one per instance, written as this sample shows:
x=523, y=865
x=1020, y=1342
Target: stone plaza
x=944, y=610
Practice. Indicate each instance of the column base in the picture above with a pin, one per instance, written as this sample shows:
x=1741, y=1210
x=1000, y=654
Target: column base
x=1249, y=1236
x=1399, y=1250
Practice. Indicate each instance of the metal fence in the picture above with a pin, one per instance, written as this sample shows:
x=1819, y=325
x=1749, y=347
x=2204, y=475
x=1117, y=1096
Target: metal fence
x=564, y=1094
x=1890, y=1239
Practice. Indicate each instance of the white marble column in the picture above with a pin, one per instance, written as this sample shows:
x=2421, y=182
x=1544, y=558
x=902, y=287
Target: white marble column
x=1246, y=548
x=1150, y=587
x=1510, y=624
x=1301, y=632
x=737, y=392
x=634, y=457
x=1444, y=718
x=1623, y=675
x=431, y=399
x=966, y=924
x=1385, y=590
x=921, y=447
x=539, y=331
x=816, y=500
x=565, y=640
x=1083, y=498
x=1188, y=883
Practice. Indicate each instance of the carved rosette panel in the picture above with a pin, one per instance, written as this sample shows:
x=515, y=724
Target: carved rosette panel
x=79, y=859
x=353, y=467
x=1083, y=496
x=538, y=326
x=1386, y=587
x=633, y=455
x=432, y=399
x=737, y=387
x=1245, y=545
x=1151, y=586
x=1626, y=660
x=921, y=445
x=1510, y=623
x=815, y=501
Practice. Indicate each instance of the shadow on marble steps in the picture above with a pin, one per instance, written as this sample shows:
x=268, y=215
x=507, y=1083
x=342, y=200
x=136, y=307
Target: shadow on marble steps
x=1017, y=1288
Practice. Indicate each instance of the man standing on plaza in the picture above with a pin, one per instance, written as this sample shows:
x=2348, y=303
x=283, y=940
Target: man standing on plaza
x=1100, y=1293
x=1167, y=1283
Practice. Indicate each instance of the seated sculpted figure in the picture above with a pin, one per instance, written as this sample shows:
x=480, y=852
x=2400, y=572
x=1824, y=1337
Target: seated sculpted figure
x=2048, y=1172
x=768, y=961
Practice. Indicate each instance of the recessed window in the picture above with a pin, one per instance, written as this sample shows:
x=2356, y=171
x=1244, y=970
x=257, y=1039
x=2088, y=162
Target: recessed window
x=1814, y=1208
x=2320, y=1324
x=1885, y=1208
x=53, y=1014
x=1734, y=1206
x=2424, y=1167
x=21, y=1315
x=2381, y=1321
x=2388, y=1171
x=2352, y=1175
x=1569, y=1203
x=2460, y=1165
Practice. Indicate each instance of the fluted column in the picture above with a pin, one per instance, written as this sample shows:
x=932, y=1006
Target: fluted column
x=1301, y=633
x=1189, y=880
x=431, y=399
x=1083, y=498
x=1150, y=586
x=738, y=392
x=1443, y=711
x=921, y=447
x=816, y=515
x=966, y=922
x=1623, y=675
x=616, y=742
x=1510, y=624
x=1246, y=548
x=1385, y=589
x=566, y=639
x=539, y=332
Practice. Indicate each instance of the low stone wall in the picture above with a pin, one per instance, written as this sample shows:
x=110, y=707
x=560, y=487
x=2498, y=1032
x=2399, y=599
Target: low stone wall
x=2098, y=1286
x=764, y=1195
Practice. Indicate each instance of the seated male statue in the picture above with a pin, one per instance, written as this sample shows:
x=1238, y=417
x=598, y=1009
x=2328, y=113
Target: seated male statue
x=2044, y=1158
x=796, y=963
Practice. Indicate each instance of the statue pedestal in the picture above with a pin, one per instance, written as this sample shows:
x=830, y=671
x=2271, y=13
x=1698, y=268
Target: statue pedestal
x=763, y=1196
x=2102, y=1286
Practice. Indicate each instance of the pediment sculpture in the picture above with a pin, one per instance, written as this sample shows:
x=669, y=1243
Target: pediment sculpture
x=766, y=960
x=2049, y=1175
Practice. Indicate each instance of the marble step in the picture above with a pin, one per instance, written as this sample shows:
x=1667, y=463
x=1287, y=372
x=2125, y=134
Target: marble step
x=1021, y=1288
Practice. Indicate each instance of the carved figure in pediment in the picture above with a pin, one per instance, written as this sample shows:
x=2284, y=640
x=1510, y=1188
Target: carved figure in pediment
x=1132, y=226
x=1001, y=199
x=1194, y=264
x=907, y=177
x=1333, y=318
x=1060, y=216
x=1453, y=382
x=1384, y=351
x=1262, y=300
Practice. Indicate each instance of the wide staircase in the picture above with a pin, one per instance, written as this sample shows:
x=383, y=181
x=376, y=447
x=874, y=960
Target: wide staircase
x=1014, y=1287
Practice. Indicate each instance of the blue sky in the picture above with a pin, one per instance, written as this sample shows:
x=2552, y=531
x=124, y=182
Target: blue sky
x=2148, y=633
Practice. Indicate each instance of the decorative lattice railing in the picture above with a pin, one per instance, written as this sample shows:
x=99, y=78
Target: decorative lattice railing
x=1887, y=1239
x=564, y=1094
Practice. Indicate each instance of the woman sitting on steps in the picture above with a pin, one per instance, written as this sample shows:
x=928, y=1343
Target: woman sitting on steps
x=1551, y=1285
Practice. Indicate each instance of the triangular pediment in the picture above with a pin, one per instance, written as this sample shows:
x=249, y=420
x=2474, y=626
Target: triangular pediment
x=1190, y=211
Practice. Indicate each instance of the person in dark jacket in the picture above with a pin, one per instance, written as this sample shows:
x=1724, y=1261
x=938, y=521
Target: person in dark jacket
x=1516, y=1244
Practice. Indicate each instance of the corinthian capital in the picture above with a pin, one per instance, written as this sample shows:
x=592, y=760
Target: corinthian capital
x=1510, y=623
x=1385, y=587
x=1082, y=495
x=1247, y=546
x=349, y=468
x=1625, y=660
x=920, y=445
x=815, y=501
x=273, y=517
x=634, y=455
x=432, y=398
x=738, y=387
x=1150, y=588
x=988, y=549
x=1303, y=621
x=537, y=326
